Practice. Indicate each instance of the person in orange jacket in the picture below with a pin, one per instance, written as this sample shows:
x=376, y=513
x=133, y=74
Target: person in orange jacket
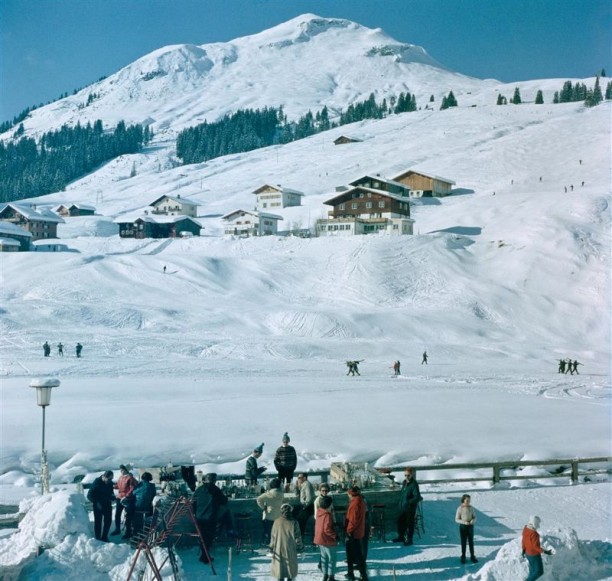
x=532, y=549
x=125, y=486
x=355, y=531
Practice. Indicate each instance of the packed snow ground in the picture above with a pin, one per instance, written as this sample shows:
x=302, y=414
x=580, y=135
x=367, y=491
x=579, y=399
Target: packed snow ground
x=242, y=340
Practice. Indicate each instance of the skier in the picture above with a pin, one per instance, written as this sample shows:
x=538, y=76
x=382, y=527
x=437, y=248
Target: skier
x=575, y=365
x=164, y=269
x=424, y=358
x=561, y=365
x=568, y=367
x=46, y=349
x=397, y=367
x=78, y=349
x=353, y=367
x=60, y=349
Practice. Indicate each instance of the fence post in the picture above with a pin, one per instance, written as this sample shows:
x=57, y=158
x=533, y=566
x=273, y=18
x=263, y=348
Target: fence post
x=496, y=471
x=574, y=471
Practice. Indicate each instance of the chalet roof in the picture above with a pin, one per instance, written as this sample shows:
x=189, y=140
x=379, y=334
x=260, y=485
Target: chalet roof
x=278, y=188
x=154, y=219
x=422, y=173
x=178, y=199
x=77, y=206
x=9, y=228
x=29, y=213
x=8, y=242
x=339, y=138
x=348, y=195
x=254, y=214
x=378, y=178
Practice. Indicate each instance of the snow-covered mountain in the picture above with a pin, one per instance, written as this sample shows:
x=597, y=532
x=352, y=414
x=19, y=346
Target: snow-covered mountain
x=290, y=65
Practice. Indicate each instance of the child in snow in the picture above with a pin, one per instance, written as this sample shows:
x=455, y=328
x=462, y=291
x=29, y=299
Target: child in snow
x=465, y=517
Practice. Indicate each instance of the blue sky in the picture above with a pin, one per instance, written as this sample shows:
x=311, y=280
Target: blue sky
x=49, y=47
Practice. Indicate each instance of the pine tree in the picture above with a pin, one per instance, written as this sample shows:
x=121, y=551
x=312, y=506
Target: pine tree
x=431, y=99
x=597, y=96
x=609, y=90
x=603, y=73
x=516, y=99
x=448, y=101
x=500, y=99
x=539, y=100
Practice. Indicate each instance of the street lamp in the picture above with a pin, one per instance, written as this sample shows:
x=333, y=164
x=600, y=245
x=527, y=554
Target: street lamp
x=43, y=399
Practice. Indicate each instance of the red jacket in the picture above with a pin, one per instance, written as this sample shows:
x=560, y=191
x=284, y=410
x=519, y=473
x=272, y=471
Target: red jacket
x=125, y=485
x=531, y=542
x=325, y=533
x=354, y=521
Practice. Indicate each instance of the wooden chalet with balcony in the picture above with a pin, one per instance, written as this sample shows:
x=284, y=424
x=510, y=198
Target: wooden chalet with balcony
x=423, y=185
x=40, y=223
x=371, y=205
x=157, y=226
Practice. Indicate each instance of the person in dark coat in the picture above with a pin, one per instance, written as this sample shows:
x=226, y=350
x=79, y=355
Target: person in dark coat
x=60, y=349
x=410, y=496
x=143, y=495
x=207, y=501
x=101, y=495
x=285, y=460
x=424, y=360
x=253, y=471
x=561, y=365
x=78, y=349
x=575, y=365
x=46, y=349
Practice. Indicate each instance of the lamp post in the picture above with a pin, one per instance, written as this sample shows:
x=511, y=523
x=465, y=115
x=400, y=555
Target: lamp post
x=43, y=399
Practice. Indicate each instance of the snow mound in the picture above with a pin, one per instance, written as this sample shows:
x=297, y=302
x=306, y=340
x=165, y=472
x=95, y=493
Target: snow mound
x=591, y=558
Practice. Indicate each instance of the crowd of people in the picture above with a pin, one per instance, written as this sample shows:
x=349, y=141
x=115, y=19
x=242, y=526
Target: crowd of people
x=285, y=523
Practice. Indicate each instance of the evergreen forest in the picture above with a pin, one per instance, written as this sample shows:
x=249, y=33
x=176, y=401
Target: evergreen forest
x=29, y=169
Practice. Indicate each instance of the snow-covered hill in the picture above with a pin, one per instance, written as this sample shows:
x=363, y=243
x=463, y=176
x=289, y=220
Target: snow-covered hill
x=182, y=85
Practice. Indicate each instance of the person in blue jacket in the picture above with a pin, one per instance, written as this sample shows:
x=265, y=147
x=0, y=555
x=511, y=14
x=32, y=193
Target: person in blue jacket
x=143, y=494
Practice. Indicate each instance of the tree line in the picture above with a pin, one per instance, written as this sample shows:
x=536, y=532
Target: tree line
x=29, y=169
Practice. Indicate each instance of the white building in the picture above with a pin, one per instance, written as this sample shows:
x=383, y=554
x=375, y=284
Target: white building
x=270, y=197
x=245, y=223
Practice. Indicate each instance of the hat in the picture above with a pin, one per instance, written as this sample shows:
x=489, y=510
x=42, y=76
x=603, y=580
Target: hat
x=286, y=437
x=123, y=467
x=259, y=449
x=534, y=522
x=286, y=510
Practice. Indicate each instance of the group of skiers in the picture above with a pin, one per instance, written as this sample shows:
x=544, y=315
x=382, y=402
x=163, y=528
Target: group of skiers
x=353, y=366
x=60, y=349
x=569, y=366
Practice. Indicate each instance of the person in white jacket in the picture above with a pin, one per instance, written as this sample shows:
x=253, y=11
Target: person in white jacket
x=465, y=517
x=270, y=503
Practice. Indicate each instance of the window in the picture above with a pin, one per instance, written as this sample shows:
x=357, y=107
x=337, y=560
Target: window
x=381, y=204
x=341, y=206
x=369, y=194
x=323, y=228
x=354, y=206
x=368, y=204
x=361, y=195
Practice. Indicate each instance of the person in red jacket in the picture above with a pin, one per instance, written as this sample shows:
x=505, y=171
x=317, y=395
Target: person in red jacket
x=125, y=486
x=325, y=537
x=355, y=531
x=532, y=549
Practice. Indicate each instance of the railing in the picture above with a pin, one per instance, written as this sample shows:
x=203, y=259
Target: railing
x=571, y=464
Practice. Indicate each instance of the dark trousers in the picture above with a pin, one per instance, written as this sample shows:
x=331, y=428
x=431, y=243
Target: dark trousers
x=536, y=568
x=207, y=528
x=354, y=558
x=129, y=516
x=302, y=514
x=466, y=532
x=267, y=528
x=103, y=515
x=285, y=474
x=406, y=522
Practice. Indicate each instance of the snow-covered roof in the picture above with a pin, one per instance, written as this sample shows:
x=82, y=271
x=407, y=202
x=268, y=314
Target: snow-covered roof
x=379, y=179
x=254, y=214
x=10, y=228
x=30, y=213
x=176, y=199
x=348, y=194
x=154, y=218
x=77, y=206
x=278, y=188
x=426, y=174
x=8, y=242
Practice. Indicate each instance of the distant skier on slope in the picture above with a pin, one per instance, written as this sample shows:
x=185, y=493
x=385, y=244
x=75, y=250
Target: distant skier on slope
x=424, y=360
x=561, y=365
